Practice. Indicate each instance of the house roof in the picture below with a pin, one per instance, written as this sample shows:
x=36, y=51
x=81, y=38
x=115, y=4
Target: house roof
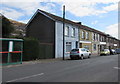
x=54, y=17
x=93, y=30
x=59, y=18
x=71, y=22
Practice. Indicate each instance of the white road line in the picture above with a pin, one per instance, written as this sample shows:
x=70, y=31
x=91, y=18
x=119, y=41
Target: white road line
x=25, y=77
x=116, y=67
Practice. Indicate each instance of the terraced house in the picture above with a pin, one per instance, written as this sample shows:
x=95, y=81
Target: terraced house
x=85, y=38
x=95, y=42
x=92, y=39
x=112, y=42
x=48, y=29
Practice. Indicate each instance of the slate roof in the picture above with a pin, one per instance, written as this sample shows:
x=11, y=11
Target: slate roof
x=71, y=22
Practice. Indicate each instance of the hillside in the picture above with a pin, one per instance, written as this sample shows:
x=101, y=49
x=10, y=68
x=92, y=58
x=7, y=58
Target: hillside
x=18, y=25
x=19, y=28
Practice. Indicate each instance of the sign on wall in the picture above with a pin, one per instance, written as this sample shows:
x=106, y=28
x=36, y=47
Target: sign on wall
x=10, y=46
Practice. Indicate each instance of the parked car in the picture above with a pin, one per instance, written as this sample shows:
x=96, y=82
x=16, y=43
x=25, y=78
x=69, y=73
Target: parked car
x=113, y=51
x=105, y=52
x=117, y=51
x=80, y=53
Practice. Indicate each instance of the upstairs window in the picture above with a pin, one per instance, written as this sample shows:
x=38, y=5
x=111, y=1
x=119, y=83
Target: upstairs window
x=66, y=31
x=73, y=32
x=87, y=35
x=98, y=37
x=101, y=38
x=83, y=34
x=94, y=36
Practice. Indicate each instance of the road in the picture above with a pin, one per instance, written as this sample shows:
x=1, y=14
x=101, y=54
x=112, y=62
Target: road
x=95, y=69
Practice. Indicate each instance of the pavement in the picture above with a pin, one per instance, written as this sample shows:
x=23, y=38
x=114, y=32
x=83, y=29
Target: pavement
x=95, y=69
x=41, y=61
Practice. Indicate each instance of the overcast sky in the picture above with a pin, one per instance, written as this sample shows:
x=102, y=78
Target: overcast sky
x=99, y=14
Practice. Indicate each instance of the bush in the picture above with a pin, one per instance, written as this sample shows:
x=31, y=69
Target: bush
x=31, y=49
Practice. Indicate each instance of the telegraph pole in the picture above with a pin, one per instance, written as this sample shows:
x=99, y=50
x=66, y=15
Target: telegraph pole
x=63, y=32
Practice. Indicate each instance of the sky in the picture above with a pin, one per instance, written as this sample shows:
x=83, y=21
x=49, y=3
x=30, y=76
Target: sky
x=98, y=14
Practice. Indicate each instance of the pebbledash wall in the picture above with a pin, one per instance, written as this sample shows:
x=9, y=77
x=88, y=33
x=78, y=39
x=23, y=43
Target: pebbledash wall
x=70, y=41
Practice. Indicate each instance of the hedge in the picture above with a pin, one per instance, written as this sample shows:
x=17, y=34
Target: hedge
x=31, y=49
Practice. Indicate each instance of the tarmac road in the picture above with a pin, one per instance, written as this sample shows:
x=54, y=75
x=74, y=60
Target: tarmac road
x=95, y=69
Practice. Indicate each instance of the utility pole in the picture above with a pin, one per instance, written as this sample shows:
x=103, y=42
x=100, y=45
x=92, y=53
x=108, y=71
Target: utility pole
x=63, y=32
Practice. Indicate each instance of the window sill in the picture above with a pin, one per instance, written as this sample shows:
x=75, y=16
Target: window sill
x=73, y=36
x=66, y=35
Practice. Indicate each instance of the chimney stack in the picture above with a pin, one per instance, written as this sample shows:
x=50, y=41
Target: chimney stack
x=79, y=23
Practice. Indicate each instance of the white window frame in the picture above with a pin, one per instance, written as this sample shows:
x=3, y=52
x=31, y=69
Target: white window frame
x=83, y=34
x=93, y=36
x=67, y=31
x=101, y=38
x=87, y=35
x=73, y=32
x=98, y=37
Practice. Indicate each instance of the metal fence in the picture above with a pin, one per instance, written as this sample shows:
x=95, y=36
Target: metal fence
x=11, y=52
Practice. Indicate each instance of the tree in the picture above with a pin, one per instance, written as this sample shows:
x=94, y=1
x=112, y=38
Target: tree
x=7, y=27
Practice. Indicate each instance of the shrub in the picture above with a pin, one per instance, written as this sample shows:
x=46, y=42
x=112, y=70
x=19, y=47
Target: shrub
x=31, y=49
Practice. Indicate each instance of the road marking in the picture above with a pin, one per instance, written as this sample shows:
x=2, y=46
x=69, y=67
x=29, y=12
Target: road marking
x=26, y=77
x=116, y=67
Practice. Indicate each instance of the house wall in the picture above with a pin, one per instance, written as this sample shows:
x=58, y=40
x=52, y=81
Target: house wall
x=43, y=28
x=86, y=42
x=96, y=42
x=84, y=39
x=59, y=39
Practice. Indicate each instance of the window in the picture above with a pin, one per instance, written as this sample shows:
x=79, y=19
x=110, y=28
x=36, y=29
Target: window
x=82, y=49
x=68, y=46
x=94, y=36
x=86, y=47
x=73, y=32
x=98, y=37
x=76, y=43
x=87, y=35
x=101, y=38
x=106, y=39
x=83, y=34
x=94, y=46
x=66, y=30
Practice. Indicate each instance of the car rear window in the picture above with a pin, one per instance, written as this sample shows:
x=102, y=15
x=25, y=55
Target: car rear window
x=75, y=49
x=83, y=49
